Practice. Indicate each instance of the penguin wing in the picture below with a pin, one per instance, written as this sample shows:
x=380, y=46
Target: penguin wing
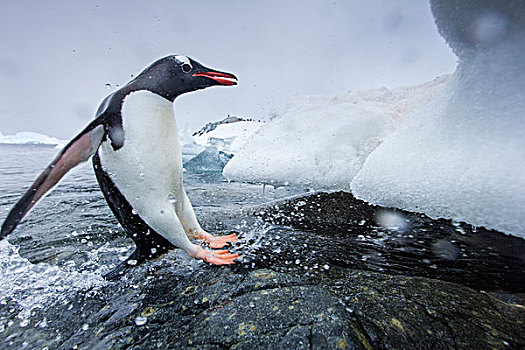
x=78, y=150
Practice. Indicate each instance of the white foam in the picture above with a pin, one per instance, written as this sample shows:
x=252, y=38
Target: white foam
x=32, y=286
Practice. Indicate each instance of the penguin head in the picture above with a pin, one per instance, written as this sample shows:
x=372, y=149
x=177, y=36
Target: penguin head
x=175, y=75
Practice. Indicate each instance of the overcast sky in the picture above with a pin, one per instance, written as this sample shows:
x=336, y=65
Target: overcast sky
x=56, y=57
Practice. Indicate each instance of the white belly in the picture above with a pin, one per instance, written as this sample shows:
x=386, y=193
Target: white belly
x=148, y=168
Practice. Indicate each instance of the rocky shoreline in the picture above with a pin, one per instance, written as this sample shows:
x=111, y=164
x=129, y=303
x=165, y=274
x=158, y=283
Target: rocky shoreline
x=302, y=288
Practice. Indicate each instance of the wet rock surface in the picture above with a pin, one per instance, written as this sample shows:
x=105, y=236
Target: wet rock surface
x=296, y=288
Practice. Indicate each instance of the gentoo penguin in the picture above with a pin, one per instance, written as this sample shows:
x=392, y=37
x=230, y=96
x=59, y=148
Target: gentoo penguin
x=138, y=164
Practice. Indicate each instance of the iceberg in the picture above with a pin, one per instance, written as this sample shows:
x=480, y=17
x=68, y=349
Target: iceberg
x=323, y=141
x=209, y=160
x=27, y=137
x=215, y=143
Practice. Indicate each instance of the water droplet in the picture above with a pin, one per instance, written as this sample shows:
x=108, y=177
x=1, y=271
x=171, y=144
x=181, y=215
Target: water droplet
x=85, y=327
x=153, y=250
x=108, y=86
x=392, y=221
x=172, y=198
x=141, y=320
x=297, y=262
x=132, y=262
x=24, y=323
x=134, y=212
x=326, y=267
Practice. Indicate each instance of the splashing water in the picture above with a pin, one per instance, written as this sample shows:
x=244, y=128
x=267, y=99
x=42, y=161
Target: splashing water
x=32, y=286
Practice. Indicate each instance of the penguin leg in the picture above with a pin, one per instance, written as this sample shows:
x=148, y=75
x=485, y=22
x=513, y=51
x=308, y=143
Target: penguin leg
x=165, y=221
x=191, y=226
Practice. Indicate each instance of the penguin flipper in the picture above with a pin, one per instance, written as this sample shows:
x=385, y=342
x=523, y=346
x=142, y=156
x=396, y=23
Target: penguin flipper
x=78, y=150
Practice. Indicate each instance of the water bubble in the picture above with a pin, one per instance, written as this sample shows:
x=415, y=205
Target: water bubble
x=24, y=323
x=392, y=221
x=172, y=198
x=132, y=262
x=134, y=212
x=326, y=267
x=85, y=327
x=141, y=320
x=108, y=86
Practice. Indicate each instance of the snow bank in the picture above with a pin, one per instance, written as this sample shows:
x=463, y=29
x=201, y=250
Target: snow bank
x=27, y=137
x=322, y=141
x=463, y=157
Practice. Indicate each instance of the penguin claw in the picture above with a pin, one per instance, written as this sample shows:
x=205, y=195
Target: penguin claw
x=215, y=257
x=216, y=241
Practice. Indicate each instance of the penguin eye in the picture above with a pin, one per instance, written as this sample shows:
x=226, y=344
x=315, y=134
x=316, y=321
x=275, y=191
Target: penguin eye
x=186, y=68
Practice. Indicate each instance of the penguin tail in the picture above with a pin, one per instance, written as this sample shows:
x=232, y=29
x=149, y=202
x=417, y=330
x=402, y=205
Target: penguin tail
x=131, y=262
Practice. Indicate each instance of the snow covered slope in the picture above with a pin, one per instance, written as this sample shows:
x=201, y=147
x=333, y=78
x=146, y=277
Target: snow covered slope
x=321, y=141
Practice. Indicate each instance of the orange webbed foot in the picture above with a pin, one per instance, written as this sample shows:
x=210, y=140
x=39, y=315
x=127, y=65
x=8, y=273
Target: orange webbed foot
x=216, y=241
x=215, y=257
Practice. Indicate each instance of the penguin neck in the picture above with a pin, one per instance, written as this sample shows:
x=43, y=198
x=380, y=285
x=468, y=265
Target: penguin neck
x=167, y=92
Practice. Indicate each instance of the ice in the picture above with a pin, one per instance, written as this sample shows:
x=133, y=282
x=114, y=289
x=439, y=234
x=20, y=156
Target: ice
x=233, y=134
x=27, y=137
x=216, y=143
x=209, y=160
x=463, y=157
x=190, y=150
x=323, y=141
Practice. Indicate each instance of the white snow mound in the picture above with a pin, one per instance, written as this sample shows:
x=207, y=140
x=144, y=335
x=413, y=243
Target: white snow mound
x=321, y=141
x=463, y=157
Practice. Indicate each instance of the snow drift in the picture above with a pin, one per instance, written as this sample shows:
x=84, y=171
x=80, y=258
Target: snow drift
x=463, y=157
x=322, y=142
